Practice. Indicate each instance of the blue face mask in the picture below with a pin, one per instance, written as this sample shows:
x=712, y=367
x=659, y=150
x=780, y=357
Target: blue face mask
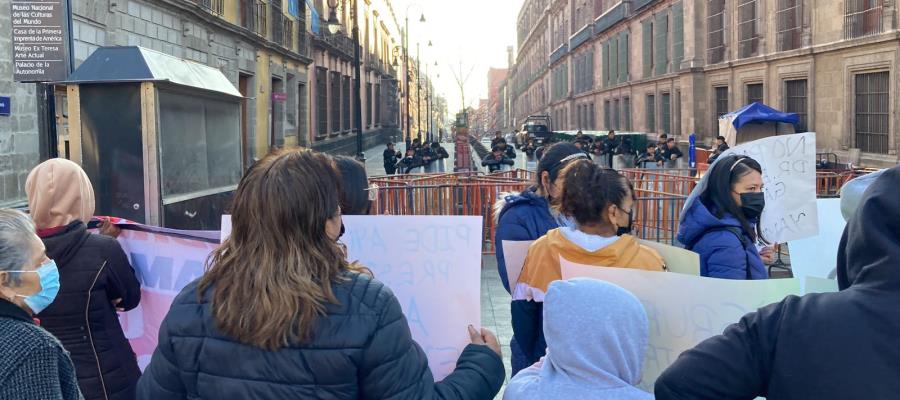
x=49, y=276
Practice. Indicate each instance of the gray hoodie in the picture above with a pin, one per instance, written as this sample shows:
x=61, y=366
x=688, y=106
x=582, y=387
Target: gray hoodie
x=596, y=337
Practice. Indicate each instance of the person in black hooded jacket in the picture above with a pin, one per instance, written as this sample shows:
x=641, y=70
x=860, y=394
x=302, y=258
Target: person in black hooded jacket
x=820, y=346
x=96, y=280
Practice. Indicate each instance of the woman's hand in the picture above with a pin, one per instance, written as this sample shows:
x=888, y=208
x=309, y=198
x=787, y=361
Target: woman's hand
x=109, y=229
x=767, y=254
x=485, y=338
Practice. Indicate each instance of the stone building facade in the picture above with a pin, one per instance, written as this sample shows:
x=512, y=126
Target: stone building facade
x=270, y=50
x=675, y=66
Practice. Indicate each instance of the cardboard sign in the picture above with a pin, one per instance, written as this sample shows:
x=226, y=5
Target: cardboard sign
x=433, y=266
x=677, y=260
x=789, y=176
x=817, y=256
x=514, y=253
x=684, y=310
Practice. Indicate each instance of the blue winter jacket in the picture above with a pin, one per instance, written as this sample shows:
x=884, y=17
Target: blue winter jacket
x=722, y=255
x=521, y=217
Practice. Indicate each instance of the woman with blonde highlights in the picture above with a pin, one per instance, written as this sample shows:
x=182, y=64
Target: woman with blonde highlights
x=281, y=314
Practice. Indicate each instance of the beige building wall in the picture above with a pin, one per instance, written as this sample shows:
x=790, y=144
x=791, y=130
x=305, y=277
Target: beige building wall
x=829, y=59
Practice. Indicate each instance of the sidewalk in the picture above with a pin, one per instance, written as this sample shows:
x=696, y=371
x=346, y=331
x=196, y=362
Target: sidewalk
x=495, y=310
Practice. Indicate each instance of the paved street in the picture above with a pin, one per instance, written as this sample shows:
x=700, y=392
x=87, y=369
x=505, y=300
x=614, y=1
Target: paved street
x=375, y=159
x=495, y=314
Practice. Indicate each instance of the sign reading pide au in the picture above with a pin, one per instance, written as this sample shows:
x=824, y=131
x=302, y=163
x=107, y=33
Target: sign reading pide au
x=39, y=40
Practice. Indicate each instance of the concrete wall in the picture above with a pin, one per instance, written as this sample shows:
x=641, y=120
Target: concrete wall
x=19, y=144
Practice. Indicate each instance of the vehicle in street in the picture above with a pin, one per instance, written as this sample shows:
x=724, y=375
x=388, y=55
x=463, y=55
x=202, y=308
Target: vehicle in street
x=539, y=127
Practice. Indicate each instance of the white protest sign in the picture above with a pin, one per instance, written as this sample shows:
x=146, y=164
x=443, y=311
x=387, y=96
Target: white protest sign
x=433, y=266
x=226, y=228
x=789, y=175
x=817, y=256
x=514, y=253
x=684, y=310
x=677, y=259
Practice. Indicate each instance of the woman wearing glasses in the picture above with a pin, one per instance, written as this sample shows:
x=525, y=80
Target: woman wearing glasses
x=527, y=216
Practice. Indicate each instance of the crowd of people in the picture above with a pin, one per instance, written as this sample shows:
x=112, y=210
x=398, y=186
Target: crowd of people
x=419, y=157
x=280, y=312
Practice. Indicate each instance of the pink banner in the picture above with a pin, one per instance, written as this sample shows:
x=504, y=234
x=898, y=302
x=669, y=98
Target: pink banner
x=165, y=261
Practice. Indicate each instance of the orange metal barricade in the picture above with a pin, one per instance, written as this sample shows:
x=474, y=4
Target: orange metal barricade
x=448, y=194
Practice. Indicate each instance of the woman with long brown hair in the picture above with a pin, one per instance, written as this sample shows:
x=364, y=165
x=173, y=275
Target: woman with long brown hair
x=281, y=314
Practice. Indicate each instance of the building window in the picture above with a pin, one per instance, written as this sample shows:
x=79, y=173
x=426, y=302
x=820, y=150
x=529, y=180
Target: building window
x=665, y=113
x=661, y=30
x=748, y=28
x=715, y=25
x=623, y=56
x=321, y=101
x=626, y=109
x=677, y=36
x=276, y=19
x=616, y=114
x=871, y=108
x=651, y=113
x=647, y=48
x=213, y=6
x=335, y=102
x=369, y=107
x=378, y=100
x=721, y=95
x=795, y=101
x=677, y=112
x=592, y=121
x=606, y=63
x=755, y=93
x=863, y=17
x=345, y=103
x=788, y=19
x=253, y=16
x=607, y=114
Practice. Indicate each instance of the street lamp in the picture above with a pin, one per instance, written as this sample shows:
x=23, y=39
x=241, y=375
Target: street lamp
x=334, y=26
x=406, y=67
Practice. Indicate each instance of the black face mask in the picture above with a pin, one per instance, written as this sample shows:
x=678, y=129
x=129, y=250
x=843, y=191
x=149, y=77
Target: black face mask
x=752, y=204
x=342, y=231
x=624, y=230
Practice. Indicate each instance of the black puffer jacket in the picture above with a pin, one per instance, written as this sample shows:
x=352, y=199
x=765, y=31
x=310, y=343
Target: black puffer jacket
x=361, y=349
x=93, y=271
x=820, y=346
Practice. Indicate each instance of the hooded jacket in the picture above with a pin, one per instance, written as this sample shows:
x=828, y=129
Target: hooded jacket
x=592, y=352
x=520, y=217
x=93, y=272
x=542, y=267
x=820, y=346
x=722, y=253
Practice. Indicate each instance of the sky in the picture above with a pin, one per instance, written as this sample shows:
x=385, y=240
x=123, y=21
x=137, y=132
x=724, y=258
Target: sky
x=474, y=32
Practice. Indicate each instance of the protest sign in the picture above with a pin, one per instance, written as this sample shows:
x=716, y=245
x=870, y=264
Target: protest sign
x=164, y=261
x=433, y=266
x=514, y=253
x=684, y=310
x=789, y=176
x=677, y=260
x=813, y=284
x=817, y=256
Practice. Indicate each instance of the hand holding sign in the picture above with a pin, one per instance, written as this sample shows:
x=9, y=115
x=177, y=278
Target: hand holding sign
x=433, y=266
